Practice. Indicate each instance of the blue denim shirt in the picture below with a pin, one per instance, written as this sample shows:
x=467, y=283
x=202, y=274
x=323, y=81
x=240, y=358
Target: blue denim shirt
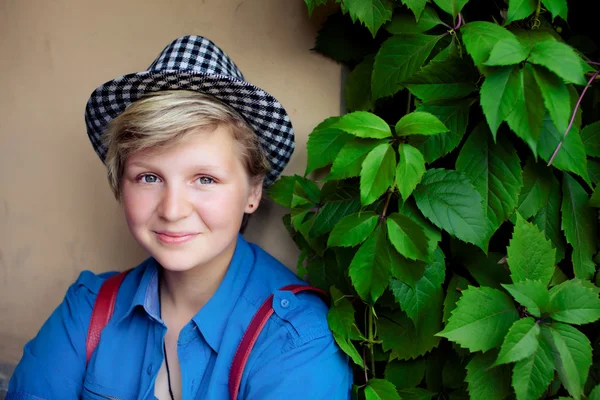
x=295, y=357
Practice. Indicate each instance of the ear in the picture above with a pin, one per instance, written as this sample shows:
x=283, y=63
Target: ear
x=254, y=197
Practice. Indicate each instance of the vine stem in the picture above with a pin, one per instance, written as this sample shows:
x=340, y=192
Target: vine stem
x=459, y=23
x=365, y=365
x=572, y=117
x=387, y=203
x=371, y=342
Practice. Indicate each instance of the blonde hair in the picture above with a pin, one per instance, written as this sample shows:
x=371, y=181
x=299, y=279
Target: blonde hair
x=162, y=118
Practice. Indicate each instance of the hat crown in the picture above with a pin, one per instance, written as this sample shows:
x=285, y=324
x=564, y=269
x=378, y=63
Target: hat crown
x=197, y=54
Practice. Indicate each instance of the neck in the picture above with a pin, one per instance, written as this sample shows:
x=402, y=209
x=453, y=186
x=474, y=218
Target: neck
x=186, y=292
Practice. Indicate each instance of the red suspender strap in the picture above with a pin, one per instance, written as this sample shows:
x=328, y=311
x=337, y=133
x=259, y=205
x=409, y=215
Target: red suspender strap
x=251, y=335
x=105, y=306
x=102, y=311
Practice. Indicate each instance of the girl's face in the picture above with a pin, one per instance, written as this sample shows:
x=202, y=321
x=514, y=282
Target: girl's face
x=184, y=204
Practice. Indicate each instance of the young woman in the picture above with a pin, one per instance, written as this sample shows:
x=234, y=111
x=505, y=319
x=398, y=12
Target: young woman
x=189, y=146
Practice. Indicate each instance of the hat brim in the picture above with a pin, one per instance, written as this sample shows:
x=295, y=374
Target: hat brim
x=262, y=111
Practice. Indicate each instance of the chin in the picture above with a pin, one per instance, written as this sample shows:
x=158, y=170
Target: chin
x=176, y=263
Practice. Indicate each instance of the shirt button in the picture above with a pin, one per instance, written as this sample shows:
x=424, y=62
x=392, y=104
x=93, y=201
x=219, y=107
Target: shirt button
x=149, y=370
x=285, y=303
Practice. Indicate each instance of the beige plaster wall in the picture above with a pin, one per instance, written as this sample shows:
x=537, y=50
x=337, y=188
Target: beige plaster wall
x=57, y=216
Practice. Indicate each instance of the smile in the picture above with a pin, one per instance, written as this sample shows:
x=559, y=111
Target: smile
x=175, y=237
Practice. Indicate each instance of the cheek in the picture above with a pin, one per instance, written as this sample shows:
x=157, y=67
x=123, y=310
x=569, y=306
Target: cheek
x=221, y=208
x=137, y=206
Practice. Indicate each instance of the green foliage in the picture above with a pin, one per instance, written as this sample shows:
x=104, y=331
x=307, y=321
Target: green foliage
x=530, y=254
x=455, y=219
x=481, y=319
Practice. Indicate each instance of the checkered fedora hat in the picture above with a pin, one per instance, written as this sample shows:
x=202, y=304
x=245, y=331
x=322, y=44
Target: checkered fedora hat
x=195, y=63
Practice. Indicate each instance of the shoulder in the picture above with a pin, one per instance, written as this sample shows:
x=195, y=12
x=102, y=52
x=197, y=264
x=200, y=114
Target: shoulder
x=299, y=317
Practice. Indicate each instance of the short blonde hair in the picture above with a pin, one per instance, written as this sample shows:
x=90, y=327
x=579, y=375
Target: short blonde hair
x=162, y=118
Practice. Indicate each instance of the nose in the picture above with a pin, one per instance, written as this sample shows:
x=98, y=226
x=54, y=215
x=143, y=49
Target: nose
x=174, y=204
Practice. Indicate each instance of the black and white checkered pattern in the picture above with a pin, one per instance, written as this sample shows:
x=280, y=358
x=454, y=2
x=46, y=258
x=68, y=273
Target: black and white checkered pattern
x=196, y=63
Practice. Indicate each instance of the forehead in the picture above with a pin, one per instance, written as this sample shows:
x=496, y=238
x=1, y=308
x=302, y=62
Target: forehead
x=216, y=146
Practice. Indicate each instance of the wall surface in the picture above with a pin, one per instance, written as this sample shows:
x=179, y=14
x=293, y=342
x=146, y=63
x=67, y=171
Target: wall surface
x=57, y=215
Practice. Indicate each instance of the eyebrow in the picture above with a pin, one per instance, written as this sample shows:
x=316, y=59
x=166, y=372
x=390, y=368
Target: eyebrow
x=143, y=165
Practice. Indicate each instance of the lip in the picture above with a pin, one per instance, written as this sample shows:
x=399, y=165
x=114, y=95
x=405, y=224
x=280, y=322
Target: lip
x=175, y=237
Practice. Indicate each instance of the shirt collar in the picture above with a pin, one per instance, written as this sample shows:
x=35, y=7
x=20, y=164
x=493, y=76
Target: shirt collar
x=213, y=317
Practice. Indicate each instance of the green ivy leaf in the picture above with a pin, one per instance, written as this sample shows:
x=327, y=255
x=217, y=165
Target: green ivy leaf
x=419, y=123
x=405, y=374
x=595, y=199
x=529, y=37
x=372, y=13
x=410, y=169
x=532, y=375
x=530, y=254
x=452, y=7
x=397, y=60
x=348, y=162
x=572, y=355
x=499, y=94
x=579, y=222
x=431, y=231
x=595, y=394
x=548, y=219
x=282, y=191
x=450, y=201
x=559, y=58
x=527, y=115
x=312, y=4
x=455, y=287
x=454, y=115
x=495, y=171
x=487, y=270
x=532, y=295
x=407, y=340
x=575, y=302
x=381, y=389
x=341, y=314
x=519, y=9
x=416, y=6
x=408, y=237
x=558, y=8
x=406, y=270
x=557, y=98
x=335, y=208
x=479, y=38
x=486, y=383
x=324, y=144
x=370, y=269
x=594, y=170
x=558, y=277
x=377, y=173
x=357, y=91
x=416, y=301
x=415, y=394
x=363, y=124
x=590, y=136
x=571, y=156
x=537, y=183
x=403, y=23
x=443, y=79
x=520, y=342
x=507, y=52
x=348, y=347
x=481, y=319
x=353, y=229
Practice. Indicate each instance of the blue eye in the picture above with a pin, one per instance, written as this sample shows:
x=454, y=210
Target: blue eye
x=205, y=180
x=149, y=178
